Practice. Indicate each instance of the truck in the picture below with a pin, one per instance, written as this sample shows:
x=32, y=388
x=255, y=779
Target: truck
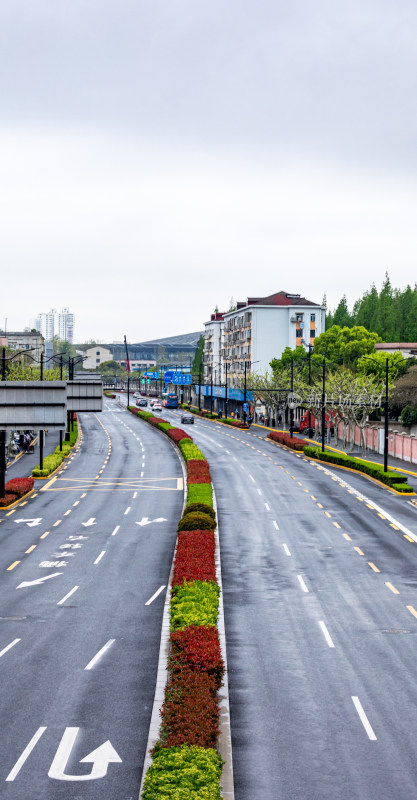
x=307, y=425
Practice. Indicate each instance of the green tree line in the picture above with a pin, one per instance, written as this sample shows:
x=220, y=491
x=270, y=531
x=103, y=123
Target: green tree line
x=391, y=313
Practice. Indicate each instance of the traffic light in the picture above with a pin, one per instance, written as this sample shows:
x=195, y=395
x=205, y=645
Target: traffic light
x=143, y=381
x=148, y=380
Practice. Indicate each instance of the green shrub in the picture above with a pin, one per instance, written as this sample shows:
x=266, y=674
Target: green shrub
x=196, y=521
x=206, y=509
x=141, y=414
x=66, y=449
x=405, y=488
x=368, y=468
x=183, y=773
x=50, y=464
x=190, y=450
x=164, y=426
x=200, y=493
x=194, y=603
x=409, y=415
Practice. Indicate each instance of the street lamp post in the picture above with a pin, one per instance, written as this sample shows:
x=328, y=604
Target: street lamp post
x=291, y=409
x=225, y=396
x=323, y=404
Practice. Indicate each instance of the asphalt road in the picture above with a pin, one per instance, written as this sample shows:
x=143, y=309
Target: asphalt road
x=320, y=591
x=81, y=604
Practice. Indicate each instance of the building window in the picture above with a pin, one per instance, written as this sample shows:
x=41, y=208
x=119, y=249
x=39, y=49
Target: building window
x=298, y=334
x=312, y=317
x=97, y=352
x=312, y=334
x=97, y=360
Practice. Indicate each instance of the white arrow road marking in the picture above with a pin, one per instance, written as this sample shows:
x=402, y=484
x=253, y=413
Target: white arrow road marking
x=147, y=521
x=38, y=581
x=91, y=521
x=100, y=758
x=25, y=755
x=30, y=522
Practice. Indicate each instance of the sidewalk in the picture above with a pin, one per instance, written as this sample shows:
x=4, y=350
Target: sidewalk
x=23, y=465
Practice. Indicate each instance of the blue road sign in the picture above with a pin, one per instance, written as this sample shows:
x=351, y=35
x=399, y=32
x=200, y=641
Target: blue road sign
x=180, y=379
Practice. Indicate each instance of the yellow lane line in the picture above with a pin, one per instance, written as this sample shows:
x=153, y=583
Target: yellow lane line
x=409, y=539
x=58, y=522
x=67, y=512
x=394, y=526
x=30, y=549
x=381, y=515
x=412, y=611
x=10, y=512
x=336, y=525
x=358, y=550
x=12, y=566
x=346, y=535
x=391, y=587
x=369, y=506
x=327, y=514
x=372, y=566
x=44, y=535
x=84, y=495
x=312, y=497
x=319, y=505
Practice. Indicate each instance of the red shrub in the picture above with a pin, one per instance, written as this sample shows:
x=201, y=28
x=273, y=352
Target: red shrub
x=7, y=500
x=198, y=648
x=194, y=558
x=19, y=486
x=156, y=420
x=284, y=438
x=198, y=471
x=176, y=434
x=190, y=710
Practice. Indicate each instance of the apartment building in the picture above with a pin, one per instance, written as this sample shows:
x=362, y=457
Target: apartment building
x=213, y=345
x=262, y=327
x=55, y=324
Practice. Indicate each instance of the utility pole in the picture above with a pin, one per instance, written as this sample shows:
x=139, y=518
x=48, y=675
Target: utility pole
x=199, y=388
x=291, y=408
x=386, y=418
x=225, y=399
x=323, y=405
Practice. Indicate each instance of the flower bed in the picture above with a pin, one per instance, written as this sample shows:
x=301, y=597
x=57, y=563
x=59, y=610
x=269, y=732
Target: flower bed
x=392, y=479
x=15, y=489
x=185, y=764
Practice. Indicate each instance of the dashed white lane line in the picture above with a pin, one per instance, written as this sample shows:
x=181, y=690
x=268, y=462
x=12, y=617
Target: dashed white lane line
x=363, y=718
x=98, y=655
x=141, y=474
x=103, y=552
x=127, y=510
x=115, y=530
x=25, y=755
x=326, y=634
x=251, y=477
x=286, y=550
x=302, y=583
x=259, y=491
x=154, y=596
x=135, y=494
x=60, y=602
x=267, y=507
x=9, y=647
x=275, y=524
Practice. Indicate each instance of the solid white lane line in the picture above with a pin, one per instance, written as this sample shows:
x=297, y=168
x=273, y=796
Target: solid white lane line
x=135, y=494
x=99, y=557
x=9, y=647
x=363, y=718
x=275, y=524
x=286, y=550
x=267, y=507
x=302, y=584
x=26, y=753
x=127, y=510
x=115, y=530
x=151, y=599
x=98, y=655
x=326, y=634
x=67, y=595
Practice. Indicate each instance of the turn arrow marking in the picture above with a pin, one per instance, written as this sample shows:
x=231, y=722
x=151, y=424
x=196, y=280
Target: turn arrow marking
x=147, y=521
x=91, y=521
x=100, y=758
x=31, y=522
x=38, y=581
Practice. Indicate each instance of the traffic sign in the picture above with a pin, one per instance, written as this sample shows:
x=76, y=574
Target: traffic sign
x=180, y=379
x=294, y=400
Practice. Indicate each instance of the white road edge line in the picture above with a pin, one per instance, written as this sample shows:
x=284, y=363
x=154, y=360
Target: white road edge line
x=115, y=530
x=67, y=595
x=26, y=753
x=302, y=584
x=286, y=550
x=9, y=646
x=326, y=634
x=98, y=655
x=363, y=718
x=151, y=599
x=103, y=552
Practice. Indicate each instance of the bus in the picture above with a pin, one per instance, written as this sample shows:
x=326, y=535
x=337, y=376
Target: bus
x=169, y=400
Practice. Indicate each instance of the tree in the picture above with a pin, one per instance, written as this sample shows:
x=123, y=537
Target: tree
x=109, y=369
x=404, y=393
x=197, y=365
x=62, y=346
x=345, y=344
x=342, y=315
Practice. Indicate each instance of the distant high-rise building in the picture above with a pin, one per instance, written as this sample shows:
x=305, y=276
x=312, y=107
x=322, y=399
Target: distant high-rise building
x=54, y=324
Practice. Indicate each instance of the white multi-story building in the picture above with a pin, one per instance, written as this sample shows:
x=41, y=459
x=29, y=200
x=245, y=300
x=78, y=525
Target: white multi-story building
x=55, y=324
x=213, y=342
x=261, y=328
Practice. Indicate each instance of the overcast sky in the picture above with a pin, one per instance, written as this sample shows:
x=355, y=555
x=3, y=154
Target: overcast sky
x=158, y=158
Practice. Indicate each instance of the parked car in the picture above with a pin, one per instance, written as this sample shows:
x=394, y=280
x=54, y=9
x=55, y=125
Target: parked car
x=187, y=418
x=156, y=407
x=141, y=401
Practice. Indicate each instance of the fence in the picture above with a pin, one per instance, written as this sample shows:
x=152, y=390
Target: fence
x=400, y=445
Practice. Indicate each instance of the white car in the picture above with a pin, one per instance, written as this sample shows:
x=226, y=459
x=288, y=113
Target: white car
x=156, y=407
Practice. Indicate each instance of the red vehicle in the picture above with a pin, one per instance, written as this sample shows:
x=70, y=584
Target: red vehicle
x=307, y=426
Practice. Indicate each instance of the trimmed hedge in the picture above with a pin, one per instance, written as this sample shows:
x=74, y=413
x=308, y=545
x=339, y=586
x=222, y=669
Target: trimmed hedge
x=177, y=435
x=194, y=558
x=289, y=441
x=190, y=712
x=200, y=493
x=183, y=773
x=196, y=520
x=194, y=603
x=392, y=479
x=198, y=649
x=206, y=509
x=190, y=450
x=15, y=489
x=198, y=471
x=50, y=464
